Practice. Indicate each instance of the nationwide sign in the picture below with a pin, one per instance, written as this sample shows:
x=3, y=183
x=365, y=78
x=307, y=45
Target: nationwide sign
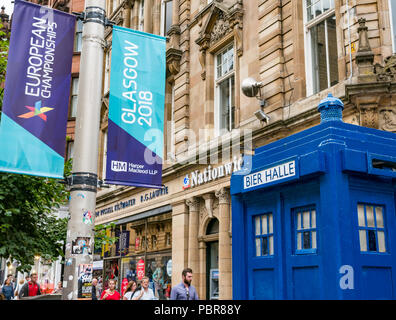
x=136, y=109
x=210, y=173
x=270, y=175
x=37, y=89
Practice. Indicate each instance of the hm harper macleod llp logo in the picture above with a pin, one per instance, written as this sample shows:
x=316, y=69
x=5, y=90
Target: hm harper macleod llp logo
x=37, y=110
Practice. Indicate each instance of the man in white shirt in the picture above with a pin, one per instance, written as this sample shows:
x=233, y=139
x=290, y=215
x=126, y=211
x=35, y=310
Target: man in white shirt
x=145, y=293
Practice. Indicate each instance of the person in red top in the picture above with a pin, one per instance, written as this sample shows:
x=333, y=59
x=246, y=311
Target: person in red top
x=31, y=288
x=110, y=293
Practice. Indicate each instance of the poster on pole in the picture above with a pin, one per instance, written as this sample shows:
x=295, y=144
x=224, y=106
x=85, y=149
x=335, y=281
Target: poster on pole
x=85, y=281
x=37, y=89
x=136, y=109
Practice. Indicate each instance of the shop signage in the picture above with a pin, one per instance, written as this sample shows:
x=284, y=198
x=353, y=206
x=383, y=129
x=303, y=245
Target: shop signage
x=210, y=173
x=140, y=269
x=269, y=175
x=132, y=202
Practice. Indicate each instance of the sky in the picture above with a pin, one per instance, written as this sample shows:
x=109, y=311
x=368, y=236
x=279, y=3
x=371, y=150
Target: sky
x=9, y=7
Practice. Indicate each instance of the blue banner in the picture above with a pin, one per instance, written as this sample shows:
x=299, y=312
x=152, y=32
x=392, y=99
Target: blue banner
x=37, y=89
x=136, y=109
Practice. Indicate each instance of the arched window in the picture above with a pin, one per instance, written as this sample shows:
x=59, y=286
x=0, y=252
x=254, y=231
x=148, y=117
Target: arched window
x=213, y=227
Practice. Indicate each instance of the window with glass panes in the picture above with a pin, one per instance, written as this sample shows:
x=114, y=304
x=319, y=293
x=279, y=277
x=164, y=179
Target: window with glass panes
x=392, y=13
x=371, y=228
x=305, y=230
x=78, y=36
x=264, y=235
x=225, y=89
x=166, y=16
x=73, y=99
x=321, y=45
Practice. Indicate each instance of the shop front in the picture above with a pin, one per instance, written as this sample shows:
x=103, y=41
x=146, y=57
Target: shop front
x=143, y=247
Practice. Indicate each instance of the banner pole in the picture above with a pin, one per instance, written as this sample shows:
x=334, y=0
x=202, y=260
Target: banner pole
x=84, y=181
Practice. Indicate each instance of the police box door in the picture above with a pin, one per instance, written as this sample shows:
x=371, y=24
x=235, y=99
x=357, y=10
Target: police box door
x=374, y=243
x=263, y=247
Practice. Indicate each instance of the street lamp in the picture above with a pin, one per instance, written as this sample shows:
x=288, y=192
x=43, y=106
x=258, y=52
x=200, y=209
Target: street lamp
x=252, y=88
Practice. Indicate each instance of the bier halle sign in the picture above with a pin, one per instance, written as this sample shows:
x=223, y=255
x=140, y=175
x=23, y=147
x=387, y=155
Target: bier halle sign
x=271, y=175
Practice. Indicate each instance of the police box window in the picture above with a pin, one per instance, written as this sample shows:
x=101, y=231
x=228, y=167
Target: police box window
x=371, y=228
x=264, y=235
x=305, y=230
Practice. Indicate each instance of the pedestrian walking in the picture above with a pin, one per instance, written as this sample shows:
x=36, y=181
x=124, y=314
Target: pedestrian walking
x=8, y=289
x=129, y=290
x=20, y=285
x=31, y=288
x=111, y=293
x=185, y=290
x=59, y=288
x=144, y=293
x=94, y=295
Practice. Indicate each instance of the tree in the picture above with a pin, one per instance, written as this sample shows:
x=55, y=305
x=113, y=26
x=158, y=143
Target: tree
x=28, y=225
x=102, y=238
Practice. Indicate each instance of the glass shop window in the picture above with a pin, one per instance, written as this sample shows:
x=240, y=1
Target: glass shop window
x=305, y=230
x=371, y=228
x=264, y=235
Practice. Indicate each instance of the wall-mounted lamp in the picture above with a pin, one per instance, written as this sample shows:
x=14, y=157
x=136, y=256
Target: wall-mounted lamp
x=252, y=88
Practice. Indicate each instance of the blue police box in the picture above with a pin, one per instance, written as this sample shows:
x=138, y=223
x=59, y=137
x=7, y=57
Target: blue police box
x=315, y=216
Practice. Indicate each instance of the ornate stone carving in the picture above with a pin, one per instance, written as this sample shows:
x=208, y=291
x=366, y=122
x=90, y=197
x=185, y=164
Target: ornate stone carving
x=223, y=195
x=209, y=201
x=388, y=120
x=173, y=57
x=220, y=29
x=193, y=203
x=388, y=71
x=221, y=22
x=369, y=117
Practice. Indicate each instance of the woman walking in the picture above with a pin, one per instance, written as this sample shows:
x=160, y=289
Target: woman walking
x=130, y=290
x=8, y=289
x=111, y=293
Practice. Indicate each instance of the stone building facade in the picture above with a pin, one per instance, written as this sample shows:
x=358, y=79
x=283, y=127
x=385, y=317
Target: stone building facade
x=297, y=50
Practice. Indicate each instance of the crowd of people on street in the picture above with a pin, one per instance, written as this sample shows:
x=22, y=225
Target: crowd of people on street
x=30, y=287
x=27, y=287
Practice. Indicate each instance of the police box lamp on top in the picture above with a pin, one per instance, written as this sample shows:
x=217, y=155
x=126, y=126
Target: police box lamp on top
x=252, y=88
x=330, y=109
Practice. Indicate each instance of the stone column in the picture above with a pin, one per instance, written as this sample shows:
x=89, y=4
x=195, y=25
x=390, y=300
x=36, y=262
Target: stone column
x=126, y=14
x=193, y=223
x=179, y=240
x=148, y=14
x=202, y=271
x=156, y=14
x=135, y=15
x=225, y=267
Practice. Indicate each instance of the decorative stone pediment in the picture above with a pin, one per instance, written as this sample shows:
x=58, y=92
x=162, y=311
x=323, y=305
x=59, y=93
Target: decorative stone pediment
x=221, y=22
